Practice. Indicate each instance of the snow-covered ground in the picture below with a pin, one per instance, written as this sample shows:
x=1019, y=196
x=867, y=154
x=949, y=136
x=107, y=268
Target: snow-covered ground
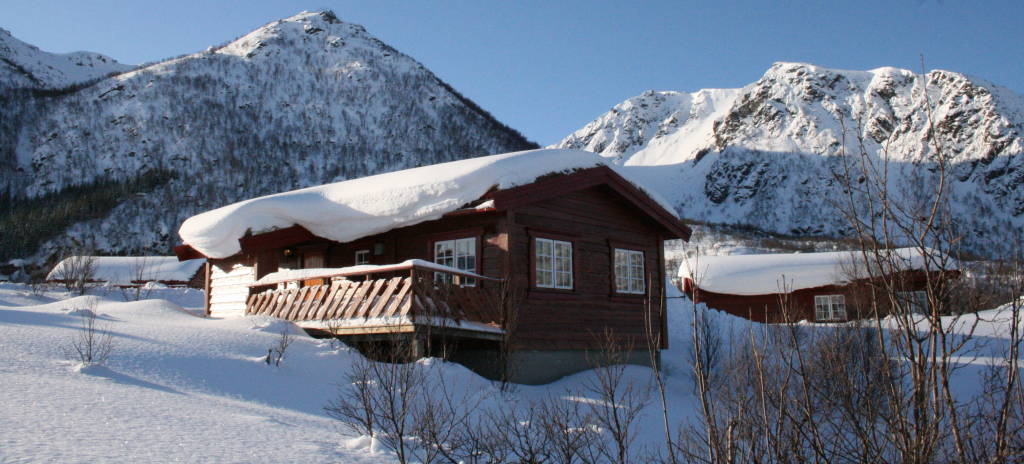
x=179, y=387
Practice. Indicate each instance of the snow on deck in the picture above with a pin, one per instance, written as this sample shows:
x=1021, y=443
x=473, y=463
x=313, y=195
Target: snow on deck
x=289, y=275
x=345, y=211
x=768, y=273
x=126, y=269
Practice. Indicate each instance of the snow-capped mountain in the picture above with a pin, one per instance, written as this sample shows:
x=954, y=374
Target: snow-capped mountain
x=765, y=155
x=24, y=65
x=301, y=101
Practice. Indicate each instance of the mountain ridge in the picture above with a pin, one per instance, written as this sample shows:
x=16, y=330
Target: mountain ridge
x=297, y=102
x=766, y=155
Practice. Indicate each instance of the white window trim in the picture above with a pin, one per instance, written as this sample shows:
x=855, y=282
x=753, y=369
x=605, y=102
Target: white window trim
x=635, y=280
x=454, y=243
x=829, y=308
x=553, y=259
x=366, y=256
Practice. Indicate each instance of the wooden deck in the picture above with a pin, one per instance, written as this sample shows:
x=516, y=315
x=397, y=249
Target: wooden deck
x=389, y=299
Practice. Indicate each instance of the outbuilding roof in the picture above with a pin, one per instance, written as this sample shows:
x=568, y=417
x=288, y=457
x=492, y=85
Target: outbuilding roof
x=769, y=273
x=124, y=270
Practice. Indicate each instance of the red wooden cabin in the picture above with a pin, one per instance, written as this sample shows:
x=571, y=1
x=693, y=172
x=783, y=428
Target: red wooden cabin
x=816, y=287
x=545, y=267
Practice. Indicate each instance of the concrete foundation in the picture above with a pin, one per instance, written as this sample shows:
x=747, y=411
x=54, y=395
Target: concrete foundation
x=528, y=367
x=538, y=367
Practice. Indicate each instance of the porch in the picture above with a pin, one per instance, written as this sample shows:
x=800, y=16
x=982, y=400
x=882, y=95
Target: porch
x=376, y=302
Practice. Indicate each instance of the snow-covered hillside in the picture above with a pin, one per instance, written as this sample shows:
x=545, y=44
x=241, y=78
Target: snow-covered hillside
x=178, y=387
x=302, y=101
x=24, y=65
x=765, y=155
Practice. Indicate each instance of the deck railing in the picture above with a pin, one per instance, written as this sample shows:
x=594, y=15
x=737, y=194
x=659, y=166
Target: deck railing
x=402, y=294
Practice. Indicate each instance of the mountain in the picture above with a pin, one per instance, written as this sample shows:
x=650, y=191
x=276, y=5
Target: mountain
x=766, y=155
x=298, y=102
x=24, y=65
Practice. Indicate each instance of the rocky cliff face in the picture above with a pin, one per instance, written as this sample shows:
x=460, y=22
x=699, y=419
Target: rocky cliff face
x=299, y=102
x=767, y=155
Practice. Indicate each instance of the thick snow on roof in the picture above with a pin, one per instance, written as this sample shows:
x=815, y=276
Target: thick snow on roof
x=345, y=211
x=767, y=273
x=125, y=269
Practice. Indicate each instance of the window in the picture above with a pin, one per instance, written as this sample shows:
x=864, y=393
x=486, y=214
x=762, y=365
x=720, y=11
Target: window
x=460, y=254
x=553, y=263
x=830, y=308
x=362, y=257
x=629, y=271
x=915, y=302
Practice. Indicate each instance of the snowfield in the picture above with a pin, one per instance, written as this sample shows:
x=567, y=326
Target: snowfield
x=183, y=388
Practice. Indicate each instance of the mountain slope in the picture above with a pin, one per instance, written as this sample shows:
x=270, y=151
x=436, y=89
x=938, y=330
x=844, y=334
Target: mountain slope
x=766, y=155
x=299, y=102
x=24, y=65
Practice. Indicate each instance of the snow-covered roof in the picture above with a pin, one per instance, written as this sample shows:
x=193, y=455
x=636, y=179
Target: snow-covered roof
x=348, y=210
x=767, y=273
x=125, y=269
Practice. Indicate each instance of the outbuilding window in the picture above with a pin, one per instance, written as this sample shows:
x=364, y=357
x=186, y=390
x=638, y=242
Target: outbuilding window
x=916, y=302
x=830, y=308
x=553, y=263
x=460, y=254
x=362, y=257
x=629, y=271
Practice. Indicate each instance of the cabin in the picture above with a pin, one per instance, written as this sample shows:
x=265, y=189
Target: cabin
x=815, y=287
x=131, y=271
x=516, y=265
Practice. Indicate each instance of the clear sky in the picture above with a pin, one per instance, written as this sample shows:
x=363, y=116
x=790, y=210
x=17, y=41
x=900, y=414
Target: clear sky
x=547, y=68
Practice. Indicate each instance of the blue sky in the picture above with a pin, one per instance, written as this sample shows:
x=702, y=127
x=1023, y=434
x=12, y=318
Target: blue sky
x=549, y=67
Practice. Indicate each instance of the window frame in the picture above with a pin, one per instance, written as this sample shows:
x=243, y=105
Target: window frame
x=832, y=302
x=533, y=262
x=355, y=256
x=455, y=237
x=916, y=301
x=614, y=274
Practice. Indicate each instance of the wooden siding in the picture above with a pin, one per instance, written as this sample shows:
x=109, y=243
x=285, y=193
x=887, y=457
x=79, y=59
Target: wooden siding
x=799, y=304
x=594, y=220
x=229, y=286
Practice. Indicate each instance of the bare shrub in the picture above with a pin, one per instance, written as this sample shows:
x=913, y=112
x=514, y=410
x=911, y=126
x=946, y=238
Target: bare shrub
x=91, y=343
x=139, y=275
x=381, y=398
x=75, y=272
x=619, y=399
x=439, y=419
x=275, y=354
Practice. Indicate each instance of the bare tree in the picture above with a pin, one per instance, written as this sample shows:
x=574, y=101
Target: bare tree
x=92, y=343
x=75, y=272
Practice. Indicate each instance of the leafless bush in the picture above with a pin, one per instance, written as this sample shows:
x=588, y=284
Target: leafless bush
x=567, y=424
x=381, y=398
x=139, y=275
x=523, y=430
x=619, y=399
x=275, y=354
x=76, y=272
x=91, y=343
x=440, y=418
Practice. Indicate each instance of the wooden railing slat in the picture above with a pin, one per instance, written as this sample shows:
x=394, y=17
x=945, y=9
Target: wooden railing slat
x=385, y=296
x=352, y=307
